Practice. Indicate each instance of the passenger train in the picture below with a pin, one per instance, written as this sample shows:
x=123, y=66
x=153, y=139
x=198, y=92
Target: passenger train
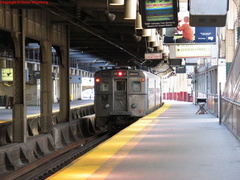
x=123, y=95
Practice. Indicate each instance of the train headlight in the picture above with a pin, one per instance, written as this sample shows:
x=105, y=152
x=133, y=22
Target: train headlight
x=98, y=80
x=133, y=105
x=107, y=106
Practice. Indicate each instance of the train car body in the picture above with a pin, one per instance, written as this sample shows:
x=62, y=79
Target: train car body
x=123, y=95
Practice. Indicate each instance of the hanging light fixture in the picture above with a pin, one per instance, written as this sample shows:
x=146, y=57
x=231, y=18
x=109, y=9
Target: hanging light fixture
x=152, y=37
x=110, y=17
x=183, y=63
x=160, y=47
x=138, y=21
x=116, y=2
x=156, y=43
x=146, y=32
x=165, y=51
x=137, y=38
x=130, y=9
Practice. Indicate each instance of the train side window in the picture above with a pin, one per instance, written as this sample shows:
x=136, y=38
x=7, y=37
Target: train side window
x=136, y=86
x=104, y=86
x=120, y=85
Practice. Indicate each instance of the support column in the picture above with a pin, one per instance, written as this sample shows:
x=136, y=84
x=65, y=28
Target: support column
x=2, y=63
x=65, y=83
x=46, y=87
x=19, y=106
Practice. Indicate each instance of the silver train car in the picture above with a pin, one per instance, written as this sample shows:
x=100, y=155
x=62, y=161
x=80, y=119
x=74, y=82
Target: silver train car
x=123, y=95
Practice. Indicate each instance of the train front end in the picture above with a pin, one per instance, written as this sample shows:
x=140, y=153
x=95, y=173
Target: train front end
x=120, y=97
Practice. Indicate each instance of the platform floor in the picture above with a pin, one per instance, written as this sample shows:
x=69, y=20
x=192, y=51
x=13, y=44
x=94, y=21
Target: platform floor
x=173, y=143
x=6, y=114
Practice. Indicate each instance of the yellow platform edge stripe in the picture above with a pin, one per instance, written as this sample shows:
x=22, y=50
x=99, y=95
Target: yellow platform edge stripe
x=85, y=166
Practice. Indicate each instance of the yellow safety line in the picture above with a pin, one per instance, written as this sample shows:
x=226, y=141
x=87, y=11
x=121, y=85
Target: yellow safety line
x=82, y=105
x=5, y=121
x=88, y=165
x=110, y=164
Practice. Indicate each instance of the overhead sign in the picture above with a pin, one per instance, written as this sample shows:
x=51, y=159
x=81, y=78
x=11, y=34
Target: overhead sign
x=181, y=69
x=87, y=81
x=190, y=51
x=205, y=34
x=205, y=13
x=192, y=61
x=77, y=79
x=158, y=13
x=153, y=55
x=37, y=75
x=175, y=62
x=7, y=74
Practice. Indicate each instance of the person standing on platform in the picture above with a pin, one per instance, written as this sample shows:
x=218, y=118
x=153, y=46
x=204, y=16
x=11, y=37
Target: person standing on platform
x=187, y=32
x=169, y=35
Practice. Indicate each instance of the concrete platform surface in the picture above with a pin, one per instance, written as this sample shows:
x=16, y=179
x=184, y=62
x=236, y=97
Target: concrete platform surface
x=176, y=144
x=6, y=114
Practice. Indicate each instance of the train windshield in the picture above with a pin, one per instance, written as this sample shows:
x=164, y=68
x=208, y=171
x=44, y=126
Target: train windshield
x=121, y=85
x=104, y=86
x=136, y=86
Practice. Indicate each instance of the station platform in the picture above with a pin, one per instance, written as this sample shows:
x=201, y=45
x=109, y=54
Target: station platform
x=172, y=143
x=6, y=114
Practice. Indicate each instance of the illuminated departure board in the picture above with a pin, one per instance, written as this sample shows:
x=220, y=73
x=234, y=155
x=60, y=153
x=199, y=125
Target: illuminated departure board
x=159, y=13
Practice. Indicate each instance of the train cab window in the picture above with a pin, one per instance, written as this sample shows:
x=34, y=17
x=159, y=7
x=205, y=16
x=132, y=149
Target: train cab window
x=136, y=86
x=120, y=85
x=104, y=86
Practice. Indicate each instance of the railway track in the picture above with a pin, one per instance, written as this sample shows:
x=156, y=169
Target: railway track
x=50, y=164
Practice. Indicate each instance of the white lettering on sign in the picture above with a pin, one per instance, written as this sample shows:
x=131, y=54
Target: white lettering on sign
x=191, y=51
x=153, y=55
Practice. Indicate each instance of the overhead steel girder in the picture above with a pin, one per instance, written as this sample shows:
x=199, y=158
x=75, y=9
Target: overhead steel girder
x=81, y=24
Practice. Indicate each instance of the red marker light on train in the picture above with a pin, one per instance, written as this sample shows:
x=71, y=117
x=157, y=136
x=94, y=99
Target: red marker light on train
x=120, y=73
x=143, y=79
x=97, y=80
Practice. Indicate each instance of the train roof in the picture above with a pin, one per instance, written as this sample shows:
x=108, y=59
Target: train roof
x=125, y=68
x=121, y=68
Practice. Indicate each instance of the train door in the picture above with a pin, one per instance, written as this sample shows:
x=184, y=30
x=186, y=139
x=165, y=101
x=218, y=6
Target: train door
x=120, y=95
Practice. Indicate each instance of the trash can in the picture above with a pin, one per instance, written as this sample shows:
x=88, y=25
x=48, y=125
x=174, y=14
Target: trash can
x=11, y=102
x=2, y=100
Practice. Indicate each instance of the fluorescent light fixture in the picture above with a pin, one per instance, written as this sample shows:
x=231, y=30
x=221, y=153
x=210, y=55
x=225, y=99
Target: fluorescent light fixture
x=146, y=32
x=130, y=9
x=116, y=2
x=138, y=21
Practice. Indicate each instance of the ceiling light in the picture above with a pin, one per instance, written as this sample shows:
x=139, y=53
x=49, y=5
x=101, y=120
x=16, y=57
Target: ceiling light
x=152, y=37
x=150, y=49
x=156, y=43
x=116, y=2
x=146, y=32
x=137, y=38
x=160, y=47
x=138, y=21
x=183, y=62
x=130, y=9
x=110, y=17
